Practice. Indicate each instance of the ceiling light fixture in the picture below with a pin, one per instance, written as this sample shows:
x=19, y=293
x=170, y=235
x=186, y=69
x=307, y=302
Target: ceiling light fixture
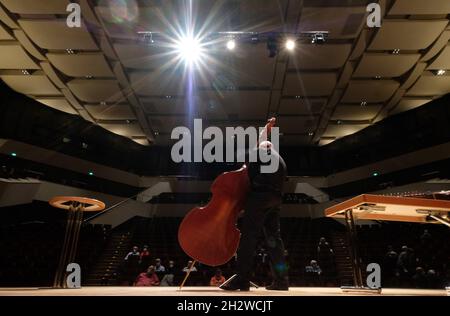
x=396, y=51
x=318, y=38
x=231, y=44
x=189, y=49
x=290, y=44
x=440, y=72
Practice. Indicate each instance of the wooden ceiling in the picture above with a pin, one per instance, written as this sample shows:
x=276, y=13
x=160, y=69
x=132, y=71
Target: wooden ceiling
x=320, y=92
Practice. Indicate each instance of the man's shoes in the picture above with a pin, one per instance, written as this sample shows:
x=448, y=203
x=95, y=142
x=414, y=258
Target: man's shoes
x=278, y=286
x=235, y=283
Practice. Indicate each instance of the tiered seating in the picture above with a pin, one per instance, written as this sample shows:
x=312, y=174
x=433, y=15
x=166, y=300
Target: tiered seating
x=300, y=235
x=429, y=255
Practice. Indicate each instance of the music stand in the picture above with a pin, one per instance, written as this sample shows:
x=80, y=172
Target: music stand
x=75, y=207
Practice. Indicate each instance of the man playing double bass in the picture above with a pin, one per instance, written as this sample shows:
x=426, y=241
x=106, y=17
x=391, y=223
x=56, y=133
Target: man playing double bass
x=261, y=213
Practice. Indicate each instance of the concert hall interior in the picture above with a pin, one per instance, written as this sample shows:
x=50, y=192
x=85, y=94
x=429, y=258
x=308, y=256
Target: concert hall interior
x=128, y=128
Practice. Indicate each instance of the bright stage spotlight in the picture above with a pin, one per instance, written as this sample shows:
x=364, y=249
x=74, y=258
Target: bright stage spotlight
x=290, y=44
x=231, y=44
x=189, y=49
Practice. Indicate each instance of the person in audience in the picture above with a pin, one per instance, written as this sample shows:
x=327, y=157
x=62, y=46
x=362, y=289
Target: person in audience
x=325, y=256
x=133, y=253
x=425, y=239
x=420, y=278
x=188, y=266
x=432, y=279
x=132, y=267
x=159, y=268
x=313, y=274
x=389, y=265
x=217, y=279
x=313, y=268
x=148, y=278
x=145, y=257
x=405, y=261
x=168, y=279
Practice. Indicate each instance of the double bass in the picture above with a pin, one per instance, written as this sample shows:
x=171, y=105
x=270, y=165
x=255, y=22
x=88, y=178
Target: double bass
x=209, y=234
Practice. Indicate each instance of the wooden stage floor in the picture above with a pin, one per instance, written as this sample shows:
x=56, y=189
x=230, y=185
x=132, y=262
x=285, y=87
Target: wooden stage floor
x=205, y=291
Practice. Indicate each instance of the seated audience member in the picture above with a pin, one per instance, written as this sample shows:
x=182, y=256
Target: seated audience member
x=148, y=278
x=432, y=280
x=217, y=279
x=425, y=239
x=159, y=268
x=389, y=265
x=168, y=278
x=313, y=268
x=186, y=268
x=420, y=278
x=133, y=254
x=406, y=261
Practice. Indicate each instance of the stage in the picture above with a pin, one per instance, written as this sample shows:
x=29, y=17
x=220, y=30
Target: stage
x=206, y=291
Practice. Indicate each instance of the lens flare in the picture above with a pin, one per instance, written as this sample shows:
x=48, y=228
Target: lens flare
x=120, y=11
x=290, y=44
x=231, y=44
x=189, y=49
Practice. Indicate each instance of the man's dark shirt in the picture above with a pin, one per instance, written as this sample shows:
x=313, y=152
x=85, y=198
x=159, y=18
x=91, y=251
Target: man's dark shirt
x=266, y=182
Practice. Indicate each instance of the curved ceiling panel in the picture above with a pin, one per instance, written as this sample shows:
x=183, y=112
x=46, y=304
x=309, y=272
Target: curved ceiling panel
x=385, y=65
x=111, y=112
x=343, y=130
x=356, y=112
x=4, y=34
x=419, y=7
x=328, y=56
x=442, y=61
x=127, y=130
x=309, y=84
x=430, y=85
x=305, y=106
x=407, y=34
x=371, y=91
x=297, y=124
x=13, y=56
x=60, y=104
x=96, y=91
x=157, y=84
x=54, y=34
x=81, y=64
x=36, y=84
x=36, y=7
